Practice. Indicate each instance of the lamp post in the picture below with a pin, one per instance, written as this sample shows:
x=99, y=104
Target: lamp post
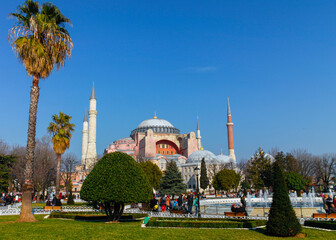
x=197, y=173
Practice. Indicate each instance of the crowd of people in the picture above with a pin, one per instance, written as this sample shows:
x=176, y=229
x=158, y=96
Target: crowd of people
x=8, y=199
x=183, y=202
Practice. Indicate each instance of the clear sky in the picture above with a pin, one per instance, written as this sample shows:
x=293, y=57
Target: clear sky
x=274, y=59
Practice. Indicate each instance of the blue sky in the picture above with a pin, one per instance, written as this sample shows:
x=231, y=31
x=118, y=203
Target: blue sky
x=274, y=59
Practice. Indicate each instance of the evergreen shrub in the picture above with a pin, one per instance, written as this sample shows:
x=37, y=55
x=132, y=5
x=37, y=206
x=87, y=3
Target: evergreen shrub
x=282, y=220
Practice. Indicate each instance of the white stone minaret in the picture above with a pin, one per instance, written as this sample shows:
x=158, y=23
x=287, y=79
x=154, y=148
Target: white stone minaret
x=85, y=139
x=198, y=137
x=91, y=155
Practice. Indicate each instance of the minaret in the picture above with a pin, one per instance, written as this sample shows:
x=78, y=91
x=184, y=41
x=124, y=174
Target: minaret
x=85, y=138
x=229, y=125
x=91, y=156
x=198, y=137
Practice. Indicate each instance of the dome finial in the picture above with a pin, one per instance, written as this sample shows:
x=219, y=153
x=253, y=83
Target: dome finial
x=202, y=148
x=155, y=115
x=221, y=151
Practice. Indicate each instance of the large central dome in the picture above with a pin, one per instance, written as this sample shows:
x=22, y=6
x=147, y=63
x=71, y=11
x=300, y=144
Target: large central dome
x=155, y=122
x=157, y=125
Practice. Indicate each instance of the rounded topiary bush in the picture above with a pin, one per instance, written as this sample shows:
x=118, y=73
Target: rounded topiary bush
x=282, y=220
x=116, y=180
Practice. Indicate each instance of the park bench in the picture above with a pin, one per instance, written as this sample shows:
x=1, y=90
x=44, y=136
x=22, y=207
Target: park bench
x=324, y=215
x=52, y=208
x=235, y=214
x=176, y=211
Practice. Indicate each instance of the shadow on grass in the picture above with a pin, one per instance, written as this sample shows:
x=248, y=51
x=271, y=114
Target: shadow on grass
x=263, y=231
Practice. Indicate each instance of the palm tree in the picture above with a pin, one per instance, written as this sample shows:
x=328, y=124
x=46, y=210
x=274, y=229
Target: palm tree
x=40, y=41
x=61, y=130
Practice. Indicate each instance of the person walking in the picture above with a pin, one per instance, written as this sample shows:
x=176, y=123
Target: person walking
x=163, y=204
x=196, y=205
x=168, y=203
x=190, y=203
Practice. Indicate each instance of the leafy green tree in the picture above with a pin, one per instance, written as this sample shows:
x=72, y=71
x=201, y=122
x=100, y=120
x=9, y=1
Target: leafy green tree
x=116, y=180
x=295, y=181
x=204, y=180
x=282, y=220
x=61, y=130
x=41, y=42
x=153, y=173
x=172, y=182
x=226, y=180
x=6, y=164
x=258, y=170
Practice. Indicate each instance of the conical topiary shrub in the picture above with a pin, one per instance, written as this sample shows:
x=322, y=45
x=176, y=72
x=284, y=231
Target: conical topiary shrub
x=282, y=220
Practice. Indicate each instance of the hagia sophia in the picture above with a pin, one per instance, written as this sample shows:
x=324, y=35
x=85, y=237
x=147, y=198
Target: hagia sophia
x=158, y=141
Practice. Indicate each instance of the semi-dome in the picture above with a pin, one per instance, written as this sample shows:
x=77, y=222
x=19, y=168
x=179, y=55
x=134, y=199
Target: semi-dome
x=196, y=157
x=224, y=159
x=157, y=125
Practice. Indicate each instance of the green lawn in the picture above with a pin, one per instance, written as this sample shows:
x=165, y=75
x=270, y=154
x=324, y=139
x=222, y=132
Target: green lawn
x=70, y=229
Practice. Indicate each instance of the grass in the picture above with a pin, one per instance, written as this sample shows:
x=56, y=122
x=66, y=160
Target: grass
x=70, y=229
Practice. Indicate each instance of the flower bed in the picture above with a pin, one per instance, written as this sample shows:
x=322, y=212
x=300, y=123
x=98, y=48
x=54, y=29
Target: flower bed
x=204, y=223
x=321, y=224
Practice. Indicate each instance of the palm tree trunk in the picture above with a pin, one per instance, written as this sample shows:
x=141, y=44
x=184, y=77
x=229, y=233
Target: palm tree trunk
x=58, y=176
x=26, y=214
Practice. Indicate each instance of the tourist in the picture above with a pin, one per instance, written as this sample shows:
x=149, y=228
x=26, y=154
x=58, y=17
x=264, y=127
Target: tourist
x=196, y=205
x=180, y=200
x=168, y=203
x=163, y=204
x=233, y=208
x=332, y=208
x=48, y=203
x=325, y=205
x=153, y=203
x=175, y=206
x=190, y=203
x=243, y=200
x=329, y=201
x=334, y=201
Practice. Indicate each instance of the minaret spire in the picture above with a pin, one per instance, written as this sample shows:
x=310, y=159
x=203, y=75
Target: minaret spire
x=198, y=136
x=85, y=116
x=93, y=93
x=228, y=108
x=229, y=125
x=91, y=155
x=85, y=139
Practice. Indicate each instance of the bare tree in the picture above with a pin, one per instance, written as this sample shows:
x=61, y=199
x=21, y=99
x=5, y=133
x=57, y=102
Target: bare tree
x=305, y=162
x=325, y=168
x=4, y=148
x=44, y=165
x=68, y=168
x=18, y=168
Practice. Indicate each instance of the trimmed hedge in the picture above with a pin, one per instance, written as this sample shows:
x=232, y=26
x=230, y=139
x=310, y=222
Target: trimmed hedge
x=321, y=224
x=93, y=215
x=204, y=223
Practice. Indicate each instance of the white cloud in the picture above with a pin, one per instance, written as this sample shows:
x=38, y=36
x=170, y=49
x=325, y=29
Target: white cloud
x=203, y=69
